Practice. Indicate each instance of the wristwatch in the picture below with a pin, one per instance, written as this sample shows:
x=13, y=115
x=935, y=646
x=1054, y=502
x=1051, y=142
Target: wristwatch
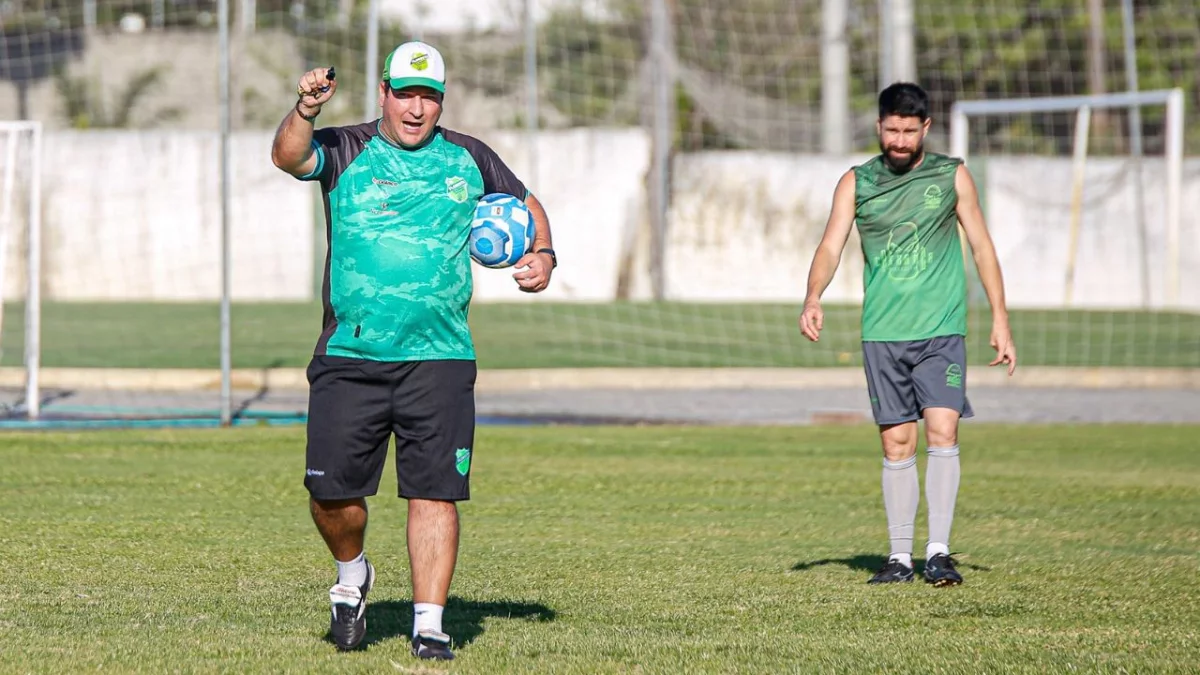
x=550, y=252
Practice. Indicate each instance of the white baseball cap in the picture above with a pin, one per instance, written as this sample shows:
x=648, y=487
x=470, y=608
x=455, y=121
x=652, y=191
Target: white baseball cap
x=415, y=64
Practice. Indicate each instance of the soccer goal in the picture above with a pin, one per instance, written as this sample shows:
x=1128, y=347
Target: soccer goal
x=1081, y=218
x=1084, y=196
x=20, y=257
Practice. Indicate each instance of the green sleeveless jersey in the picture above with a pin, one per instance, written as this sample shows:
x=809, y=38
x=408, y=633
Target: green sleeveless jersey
x=914, y=283
x=397, y=283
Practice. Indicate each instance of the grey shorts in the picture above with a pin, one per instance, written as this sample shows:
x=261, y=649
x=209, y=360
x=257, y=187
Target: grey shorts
x=905, y=378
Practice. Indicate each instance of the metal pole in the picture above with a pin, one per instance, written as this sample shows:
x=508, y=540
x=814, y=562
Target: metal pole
x=223, y=110
x=886, y=35
x=903, y=41
x=1082, y=125
x=6, y=211
x=1174, y=157
x=531, y=90
x=960, y=127
x=662, y=48
x=835, y=78
x=1135, y=146
x=33, y=296
x=249, y=16
x=89, y=14
x=371, y=95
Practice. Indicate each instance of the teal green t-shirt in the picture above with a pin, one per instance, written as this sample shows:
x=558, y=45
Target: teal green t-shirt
x=914, y=282
x=397, y=283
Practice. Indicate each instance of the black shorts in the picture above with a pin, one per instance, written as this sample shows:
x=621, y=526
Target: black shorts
x=904, y=378
x=356, y=405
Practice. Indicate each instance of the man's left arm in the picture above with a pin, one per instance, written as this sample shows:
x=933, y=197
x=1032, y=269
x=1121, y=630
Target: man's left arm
x=970, y=215
x=536, y=268
x=533, y=269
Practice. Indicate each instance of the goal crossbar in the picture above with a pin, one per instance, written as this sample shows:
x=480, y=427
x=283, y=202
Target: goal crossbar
x=1173, y=99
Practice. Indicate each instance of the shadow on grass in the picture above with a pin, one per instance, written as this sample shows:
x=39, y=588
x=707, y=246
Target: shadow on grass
x=863, y=562
x=871, y=563
x=463, y=619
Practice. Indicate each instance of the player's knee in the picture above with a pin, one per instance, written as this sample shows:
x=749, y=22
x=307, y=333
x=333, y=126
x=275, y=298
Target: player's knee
x=899, y=453
x=899, y=443
x=941, y=437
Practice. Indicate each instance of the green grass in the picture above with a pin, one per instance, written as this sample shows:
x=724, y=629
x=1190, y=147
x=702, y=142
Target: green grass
x=602, y=550
x=539, y=334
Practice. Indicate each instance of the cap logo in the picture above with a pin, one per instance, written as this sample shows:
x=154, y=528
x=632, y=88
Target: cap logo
x=419, y=61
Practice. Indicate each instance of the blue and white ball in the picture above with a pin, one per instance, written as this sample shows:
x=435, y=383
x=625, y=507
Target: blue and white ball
x=501, y=232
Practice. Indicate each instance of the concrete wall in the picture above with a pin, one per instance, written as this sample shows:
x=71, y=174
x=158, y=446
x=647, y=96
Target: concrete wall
x=136, y=215
x=744, y=226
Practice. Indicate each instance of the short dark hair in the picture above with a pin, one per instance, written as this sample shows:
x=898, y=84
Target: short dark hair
x=904, y=99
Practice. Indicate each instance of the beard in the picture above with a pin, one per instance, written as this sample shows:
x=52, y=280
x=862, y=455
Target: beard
x=902, y=165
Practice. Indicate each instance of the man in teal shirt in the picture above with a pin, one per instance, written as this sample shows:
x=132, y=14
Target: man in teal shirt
x=395, y=355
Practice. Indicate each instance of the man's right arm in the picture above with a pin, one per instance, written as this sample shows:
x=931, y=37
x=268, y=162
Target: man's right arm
x=828, y=256
x=292, y=150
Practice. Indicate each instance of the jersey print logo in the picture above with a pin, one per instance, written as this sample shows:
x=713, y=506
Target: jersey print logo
x=933, y=198
x=456, y=189
x=904, y=258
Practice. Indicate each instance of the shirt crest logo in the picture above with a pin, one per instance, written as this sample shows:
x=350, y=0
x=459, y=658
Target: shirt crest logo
x=456, y=189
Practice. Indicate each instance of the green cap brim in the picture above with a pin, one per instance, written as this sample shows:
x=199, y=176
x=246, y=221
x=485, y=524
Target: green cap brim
x=405, y=82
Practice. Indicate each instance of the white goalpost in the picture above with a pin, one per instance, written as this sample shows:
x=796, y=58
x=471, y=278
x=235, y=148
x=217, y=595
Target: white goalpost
x=22, y=153
x=1082, y=106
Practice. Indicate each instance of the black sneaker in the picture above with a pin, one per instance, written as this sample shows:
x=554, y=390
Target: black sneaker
x=429, y=644
x=893, y=571
x=349, y=607
x=939, y=571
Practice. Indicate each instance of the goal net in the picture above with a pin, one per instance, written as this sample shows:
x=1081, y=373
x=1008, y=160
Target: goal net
x=1090, y=230
x=686, y=151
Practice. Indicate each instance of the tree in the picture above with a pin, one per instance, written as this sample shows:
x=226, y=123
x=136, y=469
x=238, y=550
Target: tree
x=85, y=107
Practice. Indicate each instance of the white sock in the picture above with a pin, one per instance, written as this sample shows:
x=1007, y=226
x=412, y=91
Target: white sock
x=902, y=558
x=353, y=573
x=426, y=616
x=933, y=549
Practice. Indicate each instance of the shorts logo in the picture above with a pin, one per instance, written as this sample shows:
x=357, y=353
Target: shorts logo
x=314, y=472
x=456, y=188
x=954, y=376
x=462, y=460
x=932, y=197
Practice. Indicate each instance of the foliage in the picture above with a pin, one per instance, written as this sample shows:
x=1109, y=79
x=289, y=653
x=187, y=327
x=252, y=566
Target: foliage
x=85, y=106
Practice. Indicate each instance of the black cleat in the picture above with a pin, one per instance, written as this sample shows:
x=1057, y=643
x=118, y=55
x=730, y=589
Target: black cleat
x=430, y=644
x=893, y=571
x=939, y=571
x=349, y=607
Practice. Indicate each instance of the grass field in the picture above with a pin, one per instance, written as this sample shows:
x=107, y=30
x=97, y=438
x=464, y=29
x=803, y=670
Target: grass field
x=610, y=550
x=542, y=334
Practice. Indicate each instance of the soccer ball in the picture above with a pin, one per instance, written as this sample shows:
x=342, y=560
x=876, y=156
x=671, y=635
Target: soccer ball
x=501, y=232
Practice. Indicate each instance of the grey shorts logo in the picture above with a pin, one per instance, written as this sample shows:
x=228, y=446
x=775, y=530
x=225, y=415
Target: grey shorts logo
x=954, y=376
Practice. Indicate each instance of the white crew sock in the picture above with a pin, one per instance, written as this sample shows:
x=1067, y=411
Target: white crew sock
x=353, y=573
x=426, y=616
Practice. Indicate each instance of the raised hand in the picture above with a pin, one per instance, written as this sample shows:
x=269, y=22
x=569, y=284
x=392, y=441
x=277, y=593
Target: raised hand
x=315, y=88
